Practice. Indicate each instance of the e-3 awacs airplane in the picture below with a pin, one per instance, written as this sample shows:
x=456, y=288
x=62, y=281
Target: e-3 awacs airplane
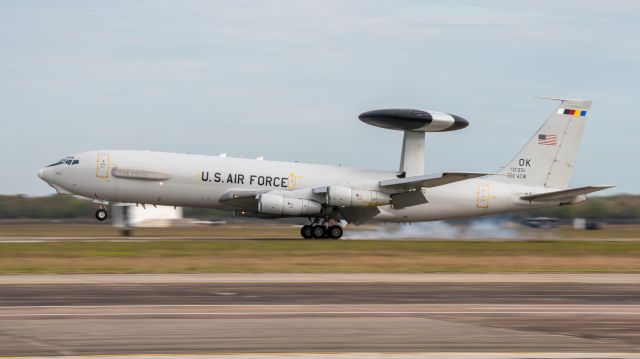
x=332, y=196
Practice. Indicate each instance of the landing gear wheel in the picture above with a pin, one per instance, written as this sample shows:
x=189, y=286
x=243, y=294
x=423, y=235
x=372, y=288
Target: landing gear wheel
x=335, y=232
x=306, y=231
x=318, y=231
x=101, y=214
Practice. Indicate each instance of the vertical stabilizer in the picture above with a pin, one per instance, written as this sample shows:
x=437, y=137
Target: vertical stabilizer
x=549, y=156
x=412, y=157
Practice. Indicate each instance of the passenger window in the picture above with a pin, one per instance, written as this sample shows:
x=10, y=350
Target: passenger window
x=75, y=162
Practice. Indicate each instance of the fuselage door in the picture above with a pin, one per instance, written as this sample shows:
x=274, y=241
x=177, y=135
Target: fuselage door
x=483, y=196
x=102, y=166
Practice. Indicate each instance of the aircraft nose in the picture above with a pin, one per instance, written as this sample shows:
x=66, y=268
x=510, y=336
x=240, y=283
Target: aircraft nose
x=41, y=173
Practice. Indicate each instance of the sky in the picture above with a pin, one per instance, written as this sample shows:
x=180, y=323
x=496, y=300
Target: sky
x=287, y=80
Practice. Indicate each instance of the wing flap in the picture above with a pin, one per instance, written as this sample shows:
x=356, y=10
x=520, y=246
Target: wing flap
x=358, y=215
x=408, y=199
x=564, y=195
x=430, y=180
x=241, y=199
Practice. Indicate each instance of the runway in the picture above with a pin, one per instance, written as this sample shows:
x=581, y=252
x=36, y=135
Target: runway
x=154, y=317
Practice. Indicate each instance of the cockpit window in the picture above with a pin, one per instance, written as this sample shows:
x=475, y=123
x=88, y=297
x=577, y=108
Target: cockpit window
x=57, y=163
x=67, y=160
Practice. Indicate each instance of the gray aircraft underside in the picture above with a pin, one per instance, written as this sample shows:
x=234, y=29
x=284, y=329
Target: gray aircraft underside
x=537, y=177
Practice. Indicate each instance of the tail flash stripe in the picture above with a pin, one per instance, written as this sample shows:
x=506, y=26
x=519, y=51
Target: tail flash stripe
x=572, y=112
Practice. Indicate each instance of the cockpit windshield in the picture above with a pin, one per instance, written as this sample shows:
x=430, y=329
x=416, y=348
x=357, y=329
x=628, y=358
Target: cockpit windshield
x=57, y=163
x=69, y=161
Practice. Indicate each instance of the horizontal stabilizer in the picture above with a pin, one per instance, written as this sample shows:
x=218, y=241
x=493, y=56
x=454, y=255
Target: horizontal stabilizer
x=430, y=180
x=564, y=195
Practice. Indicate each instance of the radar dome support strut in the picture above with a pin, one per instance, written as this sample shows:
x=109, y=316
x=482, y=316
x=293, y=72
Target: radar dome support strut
x=412, y=156
x=414, y=124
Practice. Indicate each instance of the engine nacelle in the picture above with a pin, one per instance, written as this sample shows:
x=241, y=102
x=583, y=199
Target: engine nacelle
x=279, y=205
x=346, y=197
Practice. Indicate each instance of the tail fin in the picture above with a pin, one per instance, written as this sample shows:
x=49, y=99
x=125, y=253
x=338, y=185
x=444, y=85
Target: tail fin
x=548, y=158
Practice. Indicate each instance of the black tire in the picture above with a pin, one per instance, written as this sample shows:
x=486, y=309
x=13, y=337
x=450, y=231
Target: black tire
x=101, y=214
x=306, y=231
x=335, y=232
x=318, y=231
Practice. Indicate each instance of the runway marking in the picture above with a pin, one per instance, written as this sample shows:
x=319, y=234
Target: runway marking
x=309, y=278
x=314, y=309
x=464, y=305
x=308, y=313
x=560, y=307
x=367, y=355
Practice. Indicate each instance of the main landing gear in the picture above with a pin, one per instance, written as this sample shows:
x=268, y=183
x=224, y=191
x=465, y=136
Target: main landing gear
x=321, y=231
x=101, y=214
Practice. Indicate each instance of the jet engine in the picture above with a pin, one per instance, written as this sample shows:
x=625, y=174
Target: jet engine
x=346, y=197
x=279, y=205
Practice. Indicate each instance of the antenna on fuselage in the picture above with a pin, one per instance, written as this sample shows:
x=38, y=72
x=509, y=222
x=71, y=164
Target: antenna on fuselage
x=414, y=124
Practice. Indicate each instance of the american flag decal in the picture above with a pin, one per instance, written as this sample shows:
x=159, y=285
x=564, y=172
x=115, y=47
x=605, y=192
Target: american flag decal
x=550, y=140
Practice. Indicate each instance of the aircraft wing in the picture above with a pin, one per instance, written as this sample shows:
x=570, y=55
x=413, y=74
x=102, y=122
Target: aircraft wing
x=430, y=180
x=564, y=195
x=409, y=193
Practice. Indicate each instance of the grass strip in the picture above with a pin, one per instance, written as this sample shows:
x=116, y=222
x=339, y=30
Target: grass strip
x=286, y=256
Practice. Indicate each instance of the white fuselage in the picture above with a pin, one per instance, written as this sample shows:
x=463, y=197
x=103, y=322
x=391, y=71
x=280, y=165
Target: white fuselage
x=199, y=181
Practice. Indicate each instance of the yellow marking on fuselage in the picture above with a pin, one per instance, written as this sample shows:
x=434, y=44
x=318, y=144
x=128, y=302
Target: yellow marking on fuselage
x=292, y=180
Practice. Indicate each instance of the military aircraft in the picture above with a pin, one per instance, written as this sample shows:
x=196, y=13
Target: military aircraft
x=331, y=197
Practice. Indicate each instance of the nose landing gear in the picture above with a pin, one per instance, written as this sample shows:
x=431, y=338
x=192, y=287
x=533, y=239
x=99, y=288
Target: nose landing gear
x=101, y=214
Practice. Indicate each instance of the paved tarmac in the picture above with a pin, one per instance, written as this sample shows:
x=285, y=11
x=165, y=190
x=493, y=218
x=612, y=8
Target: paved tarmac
x=510, y=317
x=588, y=278
x=352, y=355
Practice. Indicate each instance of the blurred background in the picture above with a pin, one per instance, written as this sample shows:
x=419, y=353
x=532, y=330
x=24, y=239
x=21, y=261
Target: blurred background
x=278, y=78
